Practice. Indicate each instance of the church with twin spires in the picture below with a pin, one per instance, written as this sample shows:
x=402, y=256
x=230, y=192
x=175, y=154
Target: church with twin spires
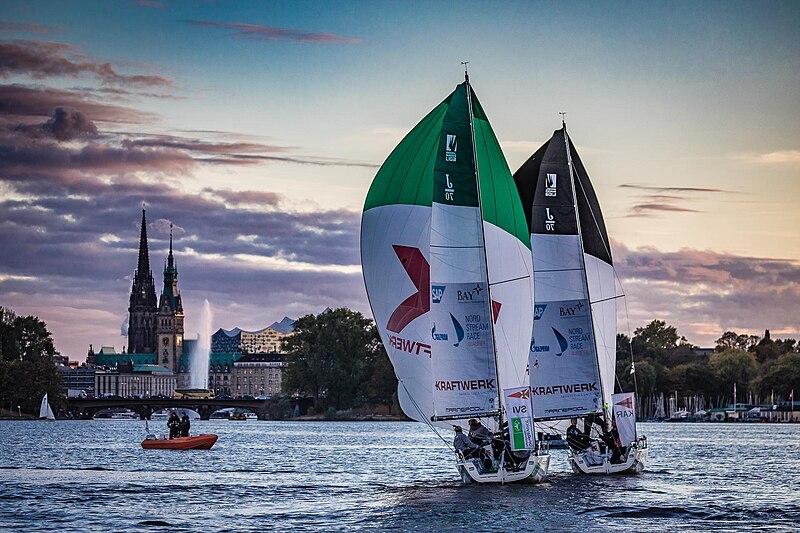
x=156, y=328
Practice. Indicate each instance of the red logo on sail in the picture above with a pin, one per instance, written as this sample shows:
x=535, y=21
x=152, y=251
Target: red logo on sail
x=419, y=303
x=523, y=394
x=627, y=403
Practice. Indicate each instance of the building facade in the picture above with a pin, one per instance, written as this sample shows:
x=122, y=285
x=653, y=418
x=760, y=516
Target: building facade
x=258, y=374
x=134, y=380
x=77, y=379
x=266, y=340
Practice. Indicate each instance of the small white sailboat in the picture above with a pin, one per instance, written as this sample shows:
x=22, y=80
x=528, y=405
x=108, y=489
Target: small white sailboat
x=446, y=262
x=45, y=411
x=573, y=347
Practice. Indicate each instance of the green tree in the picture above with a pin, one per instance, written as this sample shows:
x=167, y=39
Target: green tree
x=330, y=356
x=782, y=377
x=27, y=369
x=694, y=378
x=733, y=366
x=33, y=339
x=656, y=341
x=730, y=340
x=646, y=377
x=381, y=385
x=9, y=350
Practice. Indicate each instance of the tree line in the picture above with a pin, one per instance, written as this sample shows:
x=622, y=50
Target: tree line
x=338, y=359
x=27, y=369
x=762, y=369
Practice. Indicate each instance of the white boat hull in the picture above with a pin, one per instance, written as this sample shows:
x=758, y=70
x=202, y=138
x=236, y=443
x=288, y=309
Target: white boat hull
x=634, y=463
x=534, y=471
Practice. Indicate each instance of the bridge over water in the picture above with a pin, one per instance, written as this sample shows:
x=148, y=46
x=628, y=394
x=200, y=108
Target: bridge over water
x=86, y=408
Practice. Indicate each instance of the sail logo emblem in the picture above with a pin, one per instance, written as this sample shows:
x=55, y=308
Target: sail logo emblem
x=550, y=223
x=459, y=330
x=627, y=402
x=419, y=272
x=537, y=348
x=449, y=191
x=470, y=295
x=538, y=311
x=562, y=342
x=523, y=394
x=573, y=311
x=437, y=292
x=438, y=336
x=550, y=185
x=450, y=148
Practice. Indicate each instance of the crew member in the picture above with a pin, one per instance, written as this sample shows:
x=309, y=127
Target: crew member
x=174, y=425
x=463, y=444
x=184, y=425
x=478, y=433
x=575, y=438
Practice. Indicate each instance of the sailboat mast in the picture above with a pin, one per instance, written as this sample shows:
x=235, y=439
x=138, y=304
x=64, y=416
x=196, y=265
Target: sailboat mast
x=483, y=236
x=583, y=260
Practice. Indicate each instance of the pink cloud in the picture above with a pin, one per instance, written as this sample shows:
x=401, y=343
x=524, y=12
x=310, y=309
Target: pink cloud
x=41, y=59
x=268, y=33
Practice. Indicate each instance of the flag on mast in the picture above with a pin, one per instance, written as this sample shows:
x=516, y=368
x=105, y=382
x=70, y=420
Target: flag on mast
x=734, y=394
x=633, y=368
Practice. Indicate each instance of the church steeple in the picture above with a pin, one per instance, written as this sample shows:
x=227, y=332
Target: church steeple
x=170, y=316
x=170, y=294
x=144, y=255
x=142, y=309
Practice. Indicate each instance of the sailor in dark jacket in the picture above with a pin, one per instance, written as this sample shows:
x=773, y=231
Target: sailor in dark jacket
x=575, y=437
x=184, y=425
x=174, y=425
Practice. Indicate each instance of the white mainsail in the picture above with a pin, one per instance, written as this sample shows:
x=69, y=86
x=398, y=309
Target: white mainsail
x=45, y=412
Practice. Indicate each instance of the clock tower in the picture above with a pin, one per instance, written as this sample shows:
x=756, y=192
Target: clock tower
x=169, y=330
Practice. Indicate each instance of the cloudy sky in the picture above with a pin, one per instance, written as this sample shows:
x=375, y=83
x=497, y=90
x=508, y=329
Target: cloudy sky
x=256, y=128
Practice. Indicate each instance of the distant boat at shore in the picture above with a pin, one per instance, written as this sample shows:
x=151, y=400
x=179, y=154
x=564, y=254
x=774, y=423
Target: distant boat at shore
x=45, y=411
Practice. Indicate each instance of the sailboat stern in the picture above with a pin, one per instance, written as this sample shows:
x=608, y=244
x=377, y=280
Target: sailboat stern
x=533, y=470
x=585, y=462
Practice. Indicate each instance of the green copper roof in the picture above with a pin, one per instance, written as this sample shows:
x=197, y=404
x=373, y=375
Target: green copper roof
x=151, y=368
x=106, y=359
x=215, y=359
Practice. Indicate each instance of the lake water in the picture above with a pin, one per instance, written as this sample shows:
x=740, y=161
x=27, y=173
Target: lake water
x=94, y=476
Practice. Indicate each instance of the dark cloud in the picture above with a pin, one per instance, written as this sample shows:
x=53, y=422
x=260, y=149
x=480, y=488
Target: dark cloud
x=643, y=209
x=42, y=167
x=196, y=145
x=19, y=101
x=149, y=3
x=246, y=197
x=68, y=124
x=267, y=33
x=671, y=189
x=15, y=27
x=705, y=293
x=40, y=59
x=300, y=160
x=653, y=200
